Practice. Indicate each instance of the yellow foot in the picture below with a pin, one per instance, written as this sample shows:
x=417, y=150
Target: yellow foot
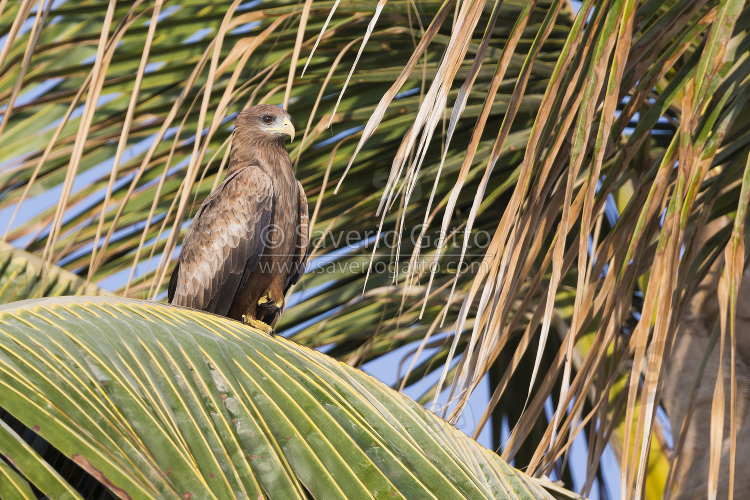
x=256, y=323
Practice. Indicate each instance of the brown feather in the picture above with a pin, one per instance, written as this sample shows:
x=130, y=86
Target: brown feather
x=303, y=236
x=226, y=230
x=248, y=242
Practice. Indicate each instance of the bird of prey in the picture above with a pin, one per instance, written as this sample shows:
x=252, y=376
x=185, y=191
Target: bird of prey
x=248, y=241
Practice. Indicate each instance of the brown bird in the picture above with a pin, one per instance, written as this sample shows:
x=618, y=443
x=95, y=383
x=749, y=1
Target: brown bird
x=248, y=241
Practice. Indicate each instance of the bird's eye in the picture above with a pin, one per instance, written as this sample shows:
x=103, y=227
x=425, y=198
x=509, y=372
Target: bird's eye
x=267, y=119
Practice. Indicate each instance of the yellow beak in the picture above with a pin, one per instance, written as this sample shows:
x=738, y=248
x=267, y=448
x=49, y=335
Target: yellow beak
x=287, y=128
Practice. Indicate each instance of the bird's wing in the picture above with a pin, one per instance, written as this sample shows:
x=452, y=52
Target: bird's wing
x=225, y=239
x=303, y=236
x=173, y=281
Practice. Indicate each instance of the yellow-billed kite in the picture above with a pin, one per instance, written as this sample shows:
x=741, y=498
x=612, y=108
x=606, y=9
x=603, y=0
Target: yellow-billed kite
x=248, y=241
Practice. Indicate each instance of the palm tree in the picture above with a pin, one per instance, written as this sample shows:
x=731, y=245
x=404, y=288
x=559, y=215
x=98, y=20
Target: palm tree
x=543, y=197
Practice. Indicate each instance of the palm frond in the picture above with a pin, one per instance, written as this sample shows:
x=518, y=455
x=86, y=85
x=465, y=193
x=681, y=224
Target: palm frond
x=160, y=401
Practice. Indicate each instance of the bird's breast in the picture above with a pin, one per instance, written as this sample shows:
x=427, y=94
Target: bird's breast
x=285, y=216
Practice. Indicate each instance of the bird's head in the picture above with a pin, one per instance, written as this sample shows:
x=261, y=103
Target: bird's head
x=266, y=121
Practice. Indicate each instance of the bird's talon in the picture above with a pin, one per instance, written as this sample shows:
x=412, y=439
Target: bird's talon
x=259, y=325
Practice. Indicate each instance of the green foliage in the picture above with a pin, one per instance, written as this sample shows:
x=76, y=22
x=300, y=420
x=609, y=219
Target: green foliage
x=22, y=277
x=159, y=401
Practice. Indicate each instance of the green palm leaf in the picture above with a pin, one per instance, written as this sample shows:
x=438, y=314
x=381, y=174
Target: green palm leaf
x=159, y=401
x=21, y=277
